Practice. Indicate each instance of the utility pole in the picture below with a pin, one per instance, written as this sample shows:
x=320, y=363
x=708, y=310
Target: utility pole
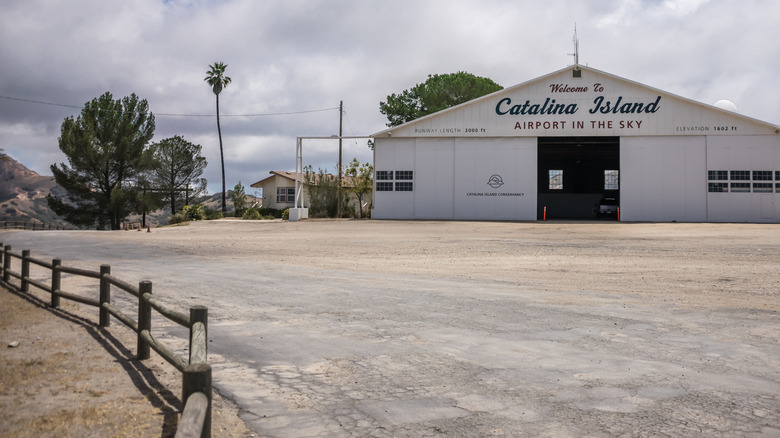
x=341, y=116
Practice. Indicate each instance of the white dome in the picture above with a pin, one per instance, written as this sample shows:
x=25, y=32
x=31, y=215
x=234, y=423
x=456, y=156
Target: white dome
x=726, y=105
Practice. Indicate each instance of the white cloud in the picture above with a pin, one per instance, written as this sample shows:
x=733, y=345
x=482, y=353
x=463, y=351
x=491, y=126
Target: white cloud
x=296, y=55
x=682, y=8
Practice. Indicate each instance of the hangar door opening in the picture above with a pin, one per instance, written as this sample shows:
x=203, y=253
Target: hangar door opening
x=579, y=177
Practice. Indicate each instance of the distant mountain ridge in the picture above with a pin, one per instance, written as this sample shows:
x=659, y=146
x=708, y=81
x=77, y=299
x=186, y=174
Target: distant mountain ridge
x=23, y=198
x=23, y=194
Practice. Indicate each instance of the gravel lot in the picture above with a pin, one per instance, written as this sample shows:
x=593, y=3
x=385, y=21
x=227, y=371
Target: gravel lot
x=395, y=328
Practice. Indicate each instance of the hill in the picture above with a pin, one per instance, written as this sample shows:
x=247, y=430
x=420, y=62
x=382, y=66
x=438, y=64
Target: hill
x=23, y=194
x=23, y=198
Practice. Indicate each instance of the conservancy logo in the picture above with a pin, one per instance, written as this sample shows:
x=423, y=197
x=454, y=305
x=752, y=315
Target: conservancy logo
x=495, y=181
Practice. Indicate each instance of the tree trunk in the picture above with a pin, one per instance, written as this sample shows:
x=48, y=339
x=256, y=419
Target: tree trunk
x=173, y=193
x=221, y=158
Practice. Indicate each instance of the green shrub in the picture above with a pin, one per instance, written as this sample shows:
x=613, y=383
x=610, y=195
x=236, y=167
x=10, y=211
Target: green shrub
x=211, y=215
x=251, y=214
x=323, y=192
x=193, y=212
x=239, y=200
x=177, y=219
x=273, y=212
x=286, y=214
x=347, y=210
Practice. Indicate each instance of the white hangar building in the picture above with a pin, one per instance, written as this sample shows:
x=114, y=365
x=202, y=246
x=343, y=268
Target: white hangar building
x=566, y=140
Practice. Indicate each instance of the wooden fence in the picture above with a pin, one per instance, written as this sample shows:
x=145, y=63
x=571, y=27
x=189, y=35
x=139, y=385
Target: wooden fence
x=34, y=226
x=196, y=372
x=37, y=226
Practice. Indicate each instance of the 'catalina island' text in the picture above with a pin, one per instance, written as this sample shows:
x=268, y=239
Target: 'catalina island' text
x=600, y=105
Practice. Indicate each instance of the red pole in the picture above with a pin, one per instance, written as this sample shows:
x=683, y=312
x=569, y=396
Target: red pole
x=544, y=217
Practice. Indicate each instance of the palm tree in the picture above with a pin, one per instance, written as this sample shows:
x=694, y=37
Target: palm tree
x=217, y=79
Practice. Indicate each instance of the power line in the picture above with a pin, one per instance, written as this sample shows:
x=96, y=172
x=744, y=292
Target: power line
x=181, y=115
x=248, y=115
x=351, y=129
x=38, y=102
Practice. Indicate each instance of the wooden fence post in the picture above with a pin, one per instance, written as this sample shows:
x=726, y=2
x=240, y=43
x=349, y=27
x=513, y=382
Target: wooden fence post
x=56, y=277
x=2, y=266
x=199, y=314
x=197, y=378
x=105, y=295
x=6, y=263
x=144, y=318
x=25, y=270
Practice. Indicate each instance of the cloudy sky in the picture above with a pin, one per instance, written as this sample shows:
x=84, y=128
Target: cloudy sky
x=292, y=61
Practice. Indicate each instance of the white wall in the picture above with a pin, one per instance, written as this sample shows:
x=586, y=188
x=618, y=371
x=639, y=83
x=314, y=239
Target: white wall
x=433, y=182
x=451, y=178
x=743, y=153
x=514, y=160
x=393, y=154
x=663, y=179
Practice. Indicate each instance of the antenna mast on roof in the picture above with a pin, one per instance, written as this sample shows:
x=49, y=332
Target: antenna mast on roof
x=576, y=53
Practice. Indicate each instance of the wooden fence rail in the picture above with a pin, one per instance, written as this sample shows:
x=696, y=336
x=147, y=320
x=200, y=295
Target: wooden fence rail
x=34, y=226
x=38, y=226
x=196, y=372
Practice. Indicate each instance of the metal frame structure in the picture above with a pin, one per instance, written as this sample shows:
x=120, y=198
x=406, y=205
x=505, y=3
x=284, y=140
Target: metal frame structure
x=299, y=199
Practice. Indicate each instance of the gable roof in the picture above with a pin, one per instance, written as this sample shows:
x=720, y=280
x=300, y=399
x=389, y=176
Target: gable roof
x=346, y=181
x=595, y=103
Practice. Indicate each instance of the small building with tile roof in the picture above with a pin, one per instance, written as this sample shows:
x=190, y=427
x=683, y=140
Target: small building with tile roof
x=279, y=190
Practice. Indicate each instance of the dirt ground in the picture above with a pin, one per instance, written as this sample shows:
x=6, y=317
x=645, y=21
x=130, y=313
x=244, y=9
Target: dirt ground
x=691, y=264
x=72, y=375
x=64, y=376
